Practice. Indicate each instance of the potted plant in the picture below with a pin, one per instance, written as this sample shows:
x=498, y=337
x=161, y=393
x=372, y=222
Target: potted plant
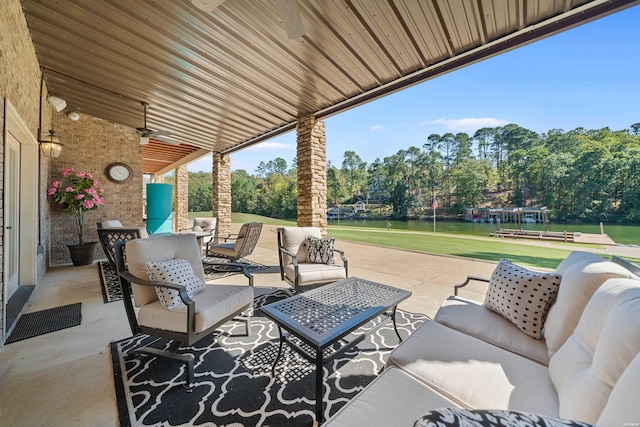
x=77, y=193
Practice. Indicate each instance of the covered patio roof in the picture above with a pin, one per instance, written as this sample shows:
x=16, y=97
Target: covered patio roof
x=229, y=78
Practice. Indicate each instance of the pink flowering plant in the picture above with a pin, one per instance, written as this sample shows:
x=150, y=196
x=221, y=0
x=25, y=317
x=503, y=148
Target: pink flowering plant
x=76, y=193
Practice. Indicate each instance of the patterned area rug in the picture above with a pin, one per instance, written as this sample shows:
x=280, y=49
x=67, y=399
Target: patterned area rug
x=111, y=285
x=233, y=383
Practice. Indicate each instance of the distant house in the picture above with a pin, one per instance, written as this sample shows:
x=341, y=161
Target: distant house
x=359, y=207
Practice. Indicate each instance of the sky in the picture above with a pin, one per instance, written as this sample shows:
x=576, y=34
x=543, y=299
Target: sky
x=588, y=77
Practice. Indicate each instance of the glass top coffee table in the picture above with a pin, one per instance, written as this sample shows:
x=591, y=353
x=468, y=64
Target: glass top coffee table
x=319, y=319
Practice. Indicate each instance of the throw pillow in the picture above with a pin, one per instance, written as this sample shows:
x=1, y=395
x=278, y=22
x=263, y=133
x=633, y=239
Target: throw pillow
x=320, y=251
x=522, y=296
x=490, y=418
x=178, y=272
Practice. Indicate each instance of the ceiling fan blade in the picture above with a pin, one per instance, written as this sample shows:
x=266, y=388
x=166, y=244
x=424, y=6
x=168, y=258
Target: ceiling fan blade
x=154, y=133
x=291, y=19
x=165, y=139
x=207, y=5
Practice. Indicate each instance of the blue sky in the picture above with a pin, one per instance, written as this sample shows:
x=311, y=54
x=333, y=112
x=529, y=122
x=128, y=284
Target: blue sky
x=587, y=77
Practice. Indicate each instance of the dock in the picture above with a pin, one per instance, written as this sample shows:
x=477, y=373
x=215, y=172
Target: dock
x=557, y=236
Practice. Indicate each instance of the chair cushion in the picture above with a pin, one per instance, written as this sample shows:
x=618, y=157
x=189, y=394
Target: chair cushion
x=490, y=418
x=204, y=224
x=472, y=318
x=313, y=274
x=224, y=249
x=605, y=342
x=111, y=223
x=176, y=271
x=320, y=250
x=522, y=296
x=582, y=274
x=474, y=373
x=293, y=239
x=165, y=248
x=214, y=304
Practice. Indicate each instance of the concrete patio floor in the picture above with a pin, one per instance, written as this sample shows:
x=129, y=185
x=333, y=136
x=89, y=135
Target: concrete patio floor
x=65, y=378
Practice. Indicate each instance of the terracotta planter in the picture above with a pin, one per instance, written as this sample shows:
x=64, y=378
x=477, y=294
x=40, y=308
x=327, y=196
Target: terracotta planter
x=83, y=254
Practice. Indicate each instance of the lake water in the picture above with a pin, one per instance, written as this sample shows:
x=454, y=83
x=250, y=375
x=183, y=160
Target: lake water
x=621, y=234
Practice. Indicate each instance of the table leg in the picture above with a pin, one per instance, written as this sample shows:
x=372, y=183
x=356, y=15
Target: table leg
x=319, y=386
x=395, y=327
x=275, y=362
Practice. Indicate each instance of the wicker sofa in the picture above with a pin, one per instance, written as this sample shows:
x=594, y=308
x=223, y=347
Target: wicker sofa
x=585, y=368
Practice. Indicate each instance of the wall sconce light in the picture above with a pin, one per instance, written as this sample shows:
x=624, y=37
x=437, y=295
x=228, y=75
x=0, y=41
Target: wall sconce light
x=50, y=144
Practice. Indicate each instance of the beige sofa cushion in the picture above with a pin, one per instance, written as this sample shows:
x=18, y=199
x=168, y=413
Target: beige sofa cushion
x=472, y=318
x=394, y=398
x=622, y=407
x=586, y=368
x=165, y=248
x=213, y=304
x=582, y=274
x=475, y=374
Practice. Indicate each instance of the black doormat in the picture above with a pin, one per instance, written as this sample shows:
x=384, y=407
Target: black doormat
x=233, y=384
x=44, y=321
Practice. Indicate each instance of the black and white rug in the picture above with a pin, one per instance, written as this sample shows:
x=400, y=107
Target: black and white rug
x=233, y=384
x=110, y=284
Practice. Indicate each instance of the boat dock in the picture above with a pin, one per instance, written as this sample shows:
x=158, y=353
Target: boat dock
x=557, y=236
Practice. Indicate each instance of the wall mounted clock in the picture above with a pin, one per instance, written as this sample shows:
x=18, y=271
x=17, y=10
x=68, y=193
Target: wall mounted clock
x=118, y=172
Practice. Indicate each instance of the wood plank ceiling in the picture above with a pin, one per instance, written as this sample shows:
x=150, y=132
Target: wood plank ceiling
x=224, y=80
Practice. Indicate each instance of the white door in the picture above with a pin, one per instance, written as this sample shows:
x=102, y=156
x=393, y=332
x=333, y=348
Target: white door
x=12, y=216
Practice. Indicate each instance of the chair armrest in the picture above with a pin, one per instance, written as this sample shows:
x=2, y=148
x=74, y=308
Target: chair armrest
x=233, y=266
x=345, y=262
x=466, y=282
x=182, y=290
x=294, y=260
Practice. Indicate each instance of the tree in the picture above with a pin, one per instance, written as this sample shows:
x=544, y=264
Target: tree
x=354, y=172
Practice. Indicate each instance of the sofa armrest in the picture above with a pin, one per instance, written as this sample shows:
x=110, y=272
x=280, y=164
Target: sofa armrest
x=466, y=282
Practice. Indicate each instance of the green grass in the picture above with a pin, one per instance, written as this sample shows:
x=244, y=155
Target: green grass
x=438, y=243
x=449, y=244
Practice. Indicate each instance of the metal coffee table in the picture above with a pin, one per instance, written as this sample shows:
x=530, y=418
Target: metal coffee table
x=319, y=319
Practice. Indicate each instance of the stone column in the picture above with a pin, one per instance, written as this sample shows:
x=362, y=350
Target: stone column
x=221, y=193
x=312, y=173
x=181, y=195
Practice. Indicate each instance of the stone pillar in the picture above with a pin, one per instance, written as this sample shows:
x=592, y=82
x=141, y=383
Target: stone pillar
x=312, y=173
x=181, y=202
x=221, y=193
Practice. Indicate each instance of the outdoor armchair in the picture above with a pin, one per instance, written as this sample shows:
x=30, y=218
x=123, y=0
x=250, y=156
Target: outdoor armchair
x=243, y=245
x=205, y=230
x=298, y=268
x=164, y=294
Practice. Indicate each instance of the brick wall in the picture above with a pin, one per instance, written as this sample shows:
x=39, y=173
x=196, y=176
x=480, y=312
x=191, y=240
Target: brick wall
x=20, y=84
x=90, y=144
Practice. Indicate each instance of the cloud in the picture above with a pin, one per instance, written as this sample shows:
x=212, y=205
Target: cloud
x=270, y=146
x=376, y=127
x=467, y=124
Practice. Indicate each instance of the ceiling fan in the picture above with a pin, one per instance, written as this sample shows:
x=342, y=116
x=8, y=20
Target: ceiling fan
x=146, y=133
x=287, y=10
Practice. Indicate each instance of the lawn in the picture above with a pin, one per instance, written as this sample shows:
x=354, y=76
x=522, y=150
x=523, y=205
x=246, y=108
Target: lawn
x=434, y=243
